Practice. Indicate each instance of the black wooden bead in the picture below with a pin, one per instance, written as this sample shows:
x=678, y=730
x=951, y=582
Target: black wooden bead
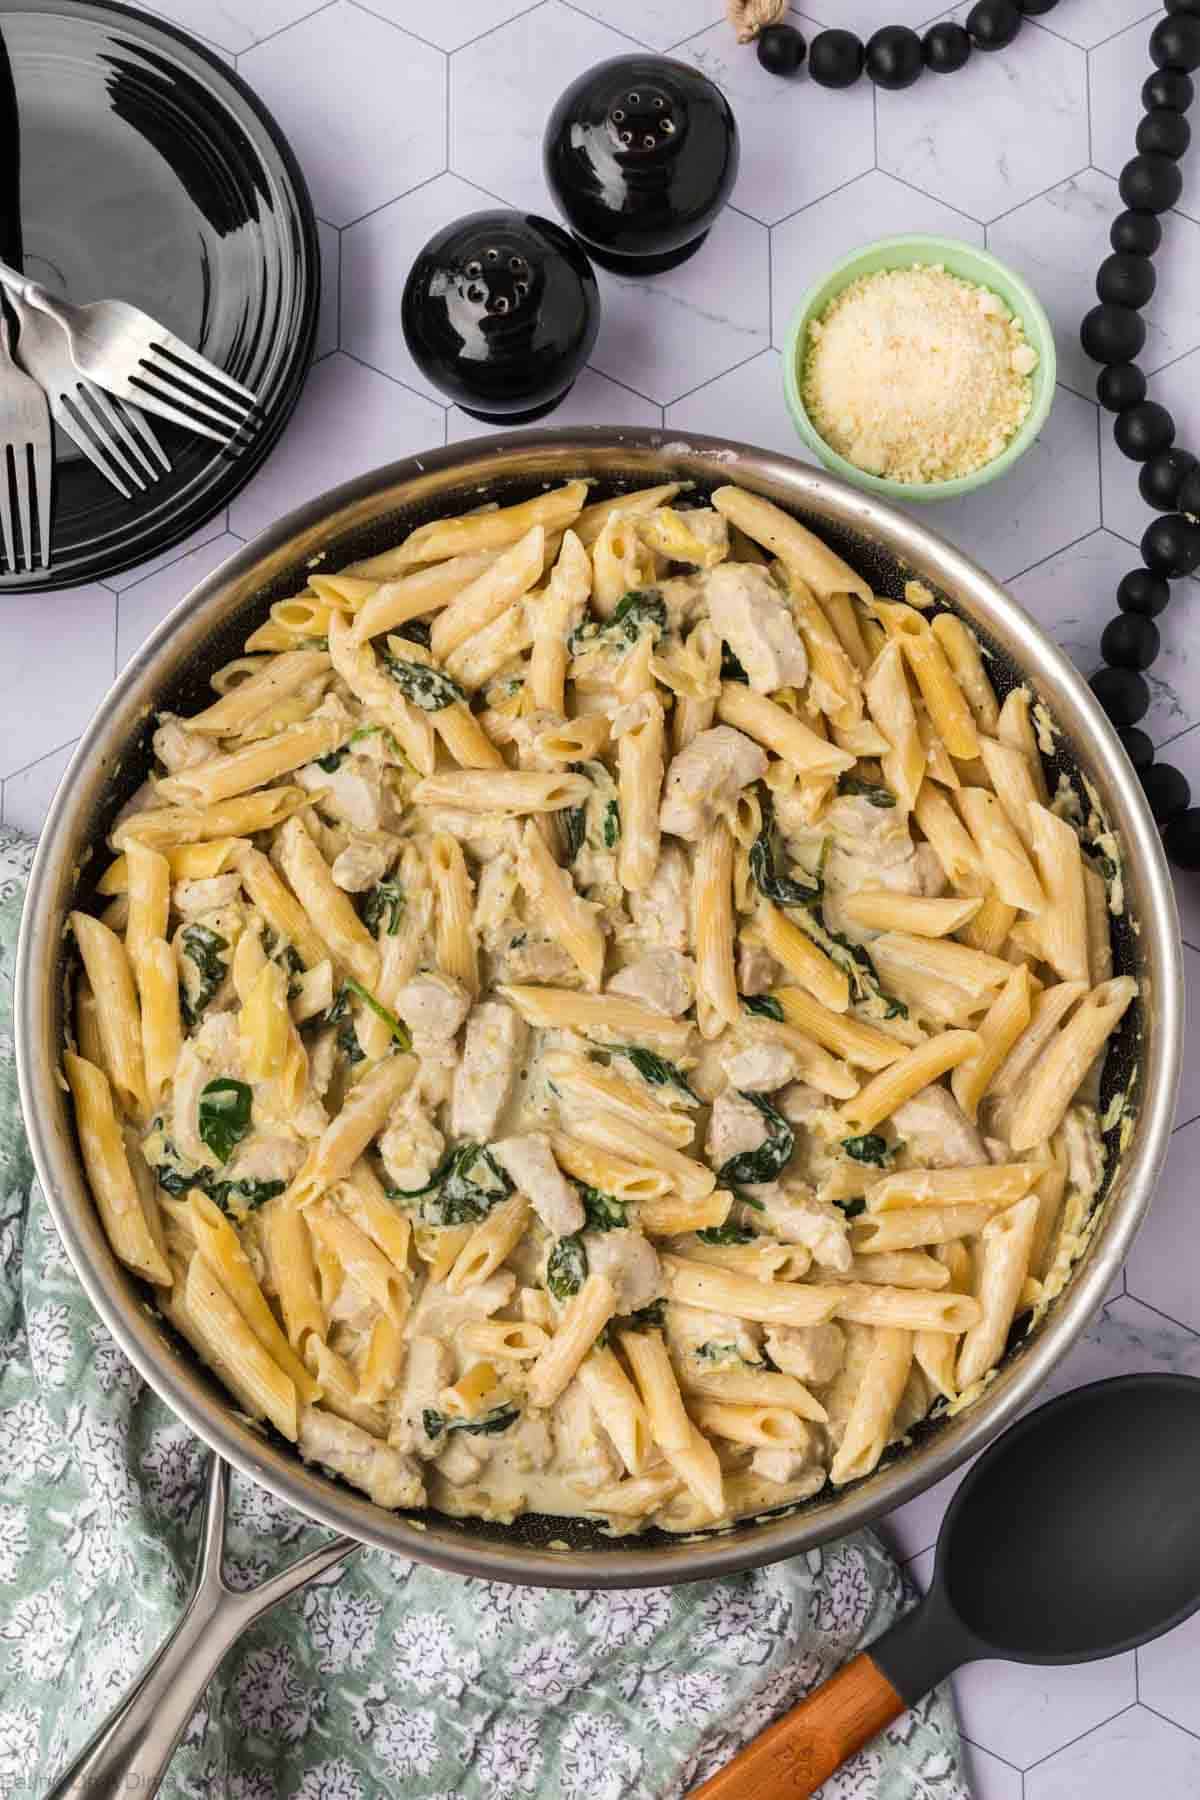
x=1162, y=478
x=1119, y=386
x=945, y=48
x=1142, y=431
x=1122, y=693
x=1167, y=790
x=1129, y=642
x=1181, y=840
x=991, y=24
x=1171, y=546
x=1150, y=183
x=1033, y=9
x=1168, y=87
x=1142, y=592
x=1112, y=334
x=893, y=57
x=1189, y=494
x=1138, y=747
x=1125, y=280
x=1135, y=233
x=1175, y=43
x=1164, y=132
x=835, y=59
x=780, y=49
x=1183, y=6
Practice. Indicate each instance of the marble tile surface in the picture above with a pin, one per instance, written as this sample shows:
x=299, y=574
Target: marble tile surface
x=405, y=115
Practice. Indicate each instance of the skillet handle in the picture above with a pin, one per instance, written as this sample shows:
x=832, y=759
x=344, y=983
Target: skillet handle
x=130, y=1752
x=800, y=1751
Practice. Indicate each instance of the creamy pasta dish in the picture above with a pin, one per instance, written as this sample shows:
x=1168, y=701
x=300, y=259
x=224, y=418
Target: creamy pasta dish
x=601, y=1015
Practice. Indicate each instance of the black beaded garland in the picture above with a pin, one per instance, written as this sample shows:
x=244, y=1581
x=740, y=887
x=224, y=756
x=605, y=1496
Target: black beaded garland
x=1175, y=43
x=1182, y=839
x=1112, y=334
x=1122, y=693
x=781, y=49
x=1150, y=183
x=1165, y=133
x=835, y=59
x=1138, y=747
x=945, y=48
x=1189, y=494
x=1130, y=641
x=1167, y=790
x=1171, y=546
x=1135, y=233
x=1142, y=592
x=993, y=24
x=1142, y=431
x=1125, y=280
x=1170, y=88
x=893, y=57
x=1033, y=9
x=1185, y=6
x=1119, y=386
x=1162, y=478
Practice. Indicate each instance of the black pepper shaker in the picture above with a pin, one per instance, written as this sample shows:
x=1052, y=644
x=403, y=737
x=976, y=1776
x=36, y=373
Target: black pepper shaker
x=641, y=154
x=500, y=311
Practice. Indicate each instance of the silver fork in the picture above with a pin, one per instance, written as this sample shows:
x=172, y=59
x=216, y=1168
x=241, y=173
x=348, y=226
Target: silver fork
x=113, y=437
x=24, y=438
x=134, y=357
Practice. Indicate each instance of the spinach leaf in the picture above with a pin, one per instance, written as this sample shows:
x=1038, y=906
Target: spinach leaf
x=764, y=1005
x=280, y=951
x=869, y=790
x=851, y=1208
x=383, y=907
x=721, y=1353
x=870, y=1148
x=348, y=1044
x=427, y=688
x=641, y=609
x=334, y=760
x=598, y=820
x=417, y=631
x=728, y=1233
x=202, y=947
x=784, y=890
x=731, y=668
x=463, y=1189
x=611, y=829
x=340, y=1009
x=237, y=1198
x=855, y=964
x=765, y=1163
x=657, y=1070
x=646, y=1318
x=567, y=1267
x=602, y=1212
x=399, y=1031
x=224, y=1115
x=746, y=1200
x=488, y=1424
x=574, y=827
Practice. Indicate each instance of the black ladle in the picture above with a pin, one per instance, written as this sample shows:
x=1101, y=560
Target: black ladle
x=1075, y=1536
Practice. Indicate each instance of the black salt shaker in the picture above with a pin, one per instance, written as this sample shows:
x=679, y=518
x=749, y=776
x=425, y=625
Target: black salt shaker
x=500, y=311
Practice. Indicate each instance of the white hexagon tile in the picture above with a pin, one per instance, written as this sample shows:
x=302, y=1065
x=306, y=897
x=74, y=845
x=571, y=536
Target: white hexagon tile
x=405, y=114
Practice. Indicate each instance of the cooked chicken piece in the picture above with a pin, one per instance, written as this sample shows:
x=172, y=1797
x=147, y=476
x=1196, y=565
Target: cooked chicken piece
x=481, y=835
x=706, y=778
x=752, y=616
x=789, y=1464
x=760, y=1068
x=265, y=1156
x=734, y=1125
x=582, y=1447
x=528, y=1162
x=384, y=1474
x=526, y=955
x=439, y=1314
x=433, y=1006
x=688, y=1328
x=192, y=899
x=870, y=847
x=682, y=596
x=214, y=1050
x=663, y=979
x=757, y=970
x=462, y=1459
x=178, y=748
x=937, y=1131
x=661, y=910
x=804, y=1105
x=412, y=1146
x=322, y=1060
x=812, y=1353
x=362, y=863
x=529, y=1444
x=1085, y=1149
x=483, y=1083
x=630, y=1262
x=798, y=1217
x=355, y=792
x=495, y=900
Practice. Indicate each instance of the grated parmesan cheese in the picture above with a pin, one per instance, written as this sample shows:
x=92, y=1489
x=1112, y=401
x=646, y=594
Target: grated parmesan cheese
x=917, y=375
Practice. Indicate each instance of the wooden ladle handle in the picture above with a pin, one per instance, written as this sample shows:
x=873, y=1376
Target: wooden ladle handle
x=800, y=1751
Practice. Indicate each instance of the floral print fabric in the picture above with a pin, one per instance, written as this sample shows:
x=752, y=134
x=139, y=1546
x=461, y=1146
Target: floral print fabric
x=387, y=1678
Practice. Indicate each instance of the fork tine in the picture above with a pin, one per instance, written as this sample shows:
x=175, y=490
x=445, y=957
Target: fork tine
x=113, y=412
x=6, y=517
x=43, y=481
x=92, y=407
x=196, y=393
x=138, y=422
x=163, y=402
x=24, y=510
x=77, y=429
x=179, y=352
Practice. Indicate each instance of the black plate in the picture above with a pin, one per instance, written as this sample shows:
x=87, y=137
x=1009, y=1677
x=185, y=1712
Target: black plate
x=135, y=165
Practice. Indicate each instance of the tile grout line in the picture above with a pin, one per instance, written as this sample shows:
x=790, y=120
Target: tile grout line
x=1078, y=1738
x=270, y=37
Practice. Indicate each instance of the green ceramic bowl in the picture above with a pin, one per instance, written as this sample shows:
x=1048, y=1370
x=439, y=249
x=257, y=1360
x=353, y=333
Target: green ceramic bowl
x=972, y=265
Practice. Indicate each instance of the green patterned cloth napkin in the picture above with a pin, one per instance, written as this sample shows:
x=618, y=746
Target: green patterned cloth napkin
x=393, y=1679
